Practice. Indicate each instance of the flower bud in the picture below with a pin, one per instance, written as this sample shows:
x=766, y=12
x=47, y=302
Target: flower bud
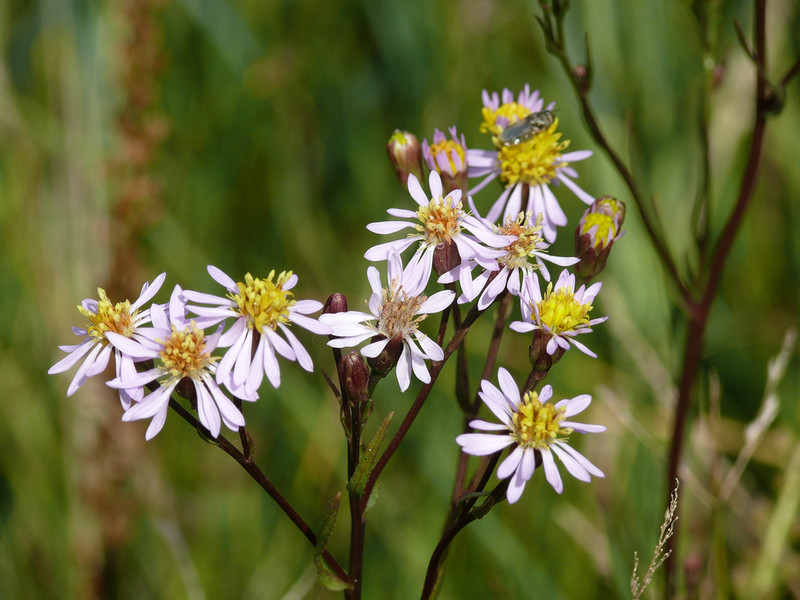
x=445, y=257
x=335, y=303
x=583, y=78
x=404, y=152
x=386, y=360
x=541, y=360
x=597, y=231
x=354, y=375
x=448, y=158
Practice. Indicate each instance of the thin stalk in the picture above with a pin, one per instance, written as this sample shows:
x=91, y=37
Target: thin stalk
x=258, y=476
x=698, y=316
x=436, y=367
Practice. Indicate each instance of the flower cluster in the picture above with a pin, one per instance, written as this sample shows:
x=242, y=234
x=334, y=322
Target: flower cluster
x=175, y=352
x=479, y=259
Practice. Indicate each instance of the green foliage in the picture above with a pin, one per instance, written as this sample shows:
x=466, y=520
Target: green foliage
x=278, y=113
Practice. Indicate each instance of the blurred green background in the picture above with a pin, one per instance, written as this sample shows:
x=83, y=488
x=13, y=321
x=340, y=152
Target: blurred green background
x=250, y=135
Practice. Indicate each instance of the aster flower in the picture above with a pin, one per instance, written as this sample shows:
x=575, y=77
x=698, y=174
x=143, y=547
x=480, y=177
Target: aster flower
x=438, y=220
x=261, y=308
x=395, y=314
x=540, y=429
x=182, y=352
x=523, y=257
x=122, y=318
x=527, y=169
x=561, y=312
x=448, y=158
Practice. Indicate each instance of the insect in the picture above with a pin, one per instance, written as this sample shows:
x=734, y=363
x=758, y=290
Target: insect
x=526, y=128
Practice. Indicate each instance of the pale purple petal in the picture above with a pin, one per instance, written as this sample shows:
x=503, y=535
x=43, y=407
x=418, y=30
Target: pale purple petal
x=207, y=410
x=416, y=191
x=382, y=251
x=516, y=487
x=403, y=369
x=483, y=444
x=551, y=471
x=301, y=354
x=387, y=227
x=374, y=349
x=581, y=459
x=76, y=353
x=487, y=426
x=583, y=196
x=573, y=466
x=511, y=464
x=222, y=279
x=437, y=302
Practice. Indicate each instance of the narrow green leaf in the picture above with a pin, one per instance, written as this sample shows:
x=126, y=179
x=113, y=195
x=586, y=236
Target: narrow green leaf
x=328, y=523
x=368, y=459
x=373, y=496
x=328, y=578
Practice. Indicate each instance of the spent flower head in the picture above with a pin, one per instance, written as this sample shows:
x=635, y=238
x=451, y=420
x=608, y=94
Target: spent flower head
x=122, y=318
x=538, y=429
x=524, y=253
x=261, y=309
x=528, y=164
x=181, y=352
x=562, y=312
x=396, y=312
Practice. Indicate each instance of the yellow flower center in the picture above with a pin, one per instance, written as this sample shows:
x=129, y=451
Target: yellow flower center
x=561, y=312
x=184, y=353
x=528, y=240
x=110, y=317
x=439, y=221
x=264, y=302
x=536, y=425
x=399, y=312
x=533, y=161
x=449, y=147
x=605, y=228
x=512, y=111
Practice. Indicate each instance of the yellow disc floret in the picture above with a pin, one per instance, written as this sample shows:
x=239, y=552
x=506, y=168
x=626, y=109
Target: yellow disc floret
x=533, y=161
x=399, y=312
x=184, y=353
x=606, y=230
x=110, y=317
x=264, y=302
x=561, y=312
x=529, y=240
x=537, y=424
x=439, y=220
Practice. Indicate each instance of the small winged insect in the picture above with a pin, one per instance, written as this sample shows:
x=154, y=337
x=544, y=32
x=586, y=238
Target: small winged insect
x=526, y=128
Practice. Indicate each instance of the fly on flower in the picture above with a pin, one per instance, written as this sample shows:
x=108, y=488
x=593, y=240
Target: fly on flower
x=526, y=128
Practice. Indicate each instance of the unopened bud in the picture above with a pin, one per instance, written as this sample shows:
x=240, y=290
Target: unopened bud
x=582, y=78
x=541, y=360
x=448, y=158
x=335, y=303
x=386, y=360
x=598, y=229
x=406, y=156
x=354, y=374
x=445, y=257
